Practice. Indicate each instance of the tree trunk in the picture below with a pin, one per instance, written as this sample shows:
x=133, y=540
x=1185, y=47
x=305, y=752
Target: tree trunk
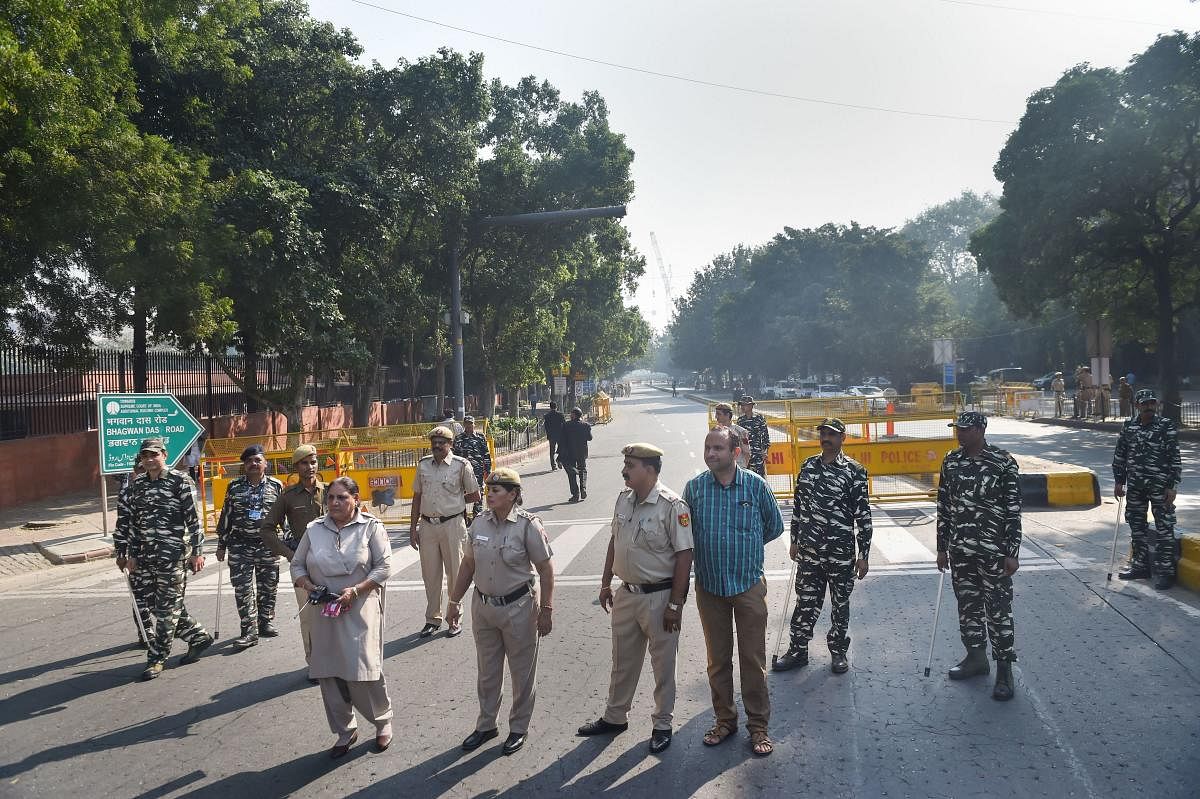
x=1168, y=375
x=140, y=370
x=487, y=402
x=250, y=373
x=414, y=368
x=514, y=401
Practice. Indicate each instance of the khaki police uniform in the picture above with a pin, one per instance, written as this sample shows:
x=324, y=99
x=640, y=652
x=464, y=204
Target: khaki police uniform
x=646, y=537
x=504, y=611
x=297, y=506
x=443, y=525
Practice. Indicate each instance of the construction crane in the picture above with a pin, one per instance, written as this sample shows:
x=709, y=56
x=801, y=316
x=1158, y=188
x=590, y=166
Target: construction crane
x=662, y=270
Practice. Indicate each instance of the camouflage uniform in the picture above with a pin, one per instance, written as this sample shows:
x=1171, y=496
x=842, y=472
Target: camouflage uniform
x=474, y=447
x=1147, y=462
x=142, y=587
x=157, y=521
x=829, y=499
x=760, y=440
x=979, y=525
x=251, y=561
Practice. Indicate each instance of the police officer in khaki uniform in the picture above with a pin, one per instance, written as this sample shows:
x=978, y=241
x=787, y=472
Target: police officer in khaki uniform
x=445, y=484
x=507, y=548
x=299, y=504
x=651, y=551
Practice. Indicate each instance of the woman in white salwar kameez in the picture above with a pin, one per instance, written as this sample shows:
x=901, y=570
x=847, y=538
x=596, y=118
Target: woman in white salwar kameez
x=347, y=551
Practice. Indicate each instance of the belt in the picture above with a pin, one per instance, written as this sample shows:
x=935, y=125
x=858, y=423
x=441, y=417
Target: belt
x=648, y=588
x=501, y=601
x=442, y=519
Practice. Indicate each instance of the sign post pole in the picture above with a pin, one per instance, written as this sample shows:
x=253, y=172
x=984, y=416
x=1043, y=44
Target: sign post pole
x=103, y=489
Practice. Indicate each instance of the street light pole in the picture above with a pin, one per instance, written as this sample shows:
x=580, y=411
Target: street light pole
x=536, y=218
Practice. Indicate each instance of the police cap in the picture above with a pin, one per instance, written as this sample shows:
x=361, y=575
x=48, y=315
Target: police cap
x=969, y=419
x=303, y=451
x=836, y=425
x=250, y=451
x=441, y=431
x=153, y=445
x=1145, y=395
x=504, y=476
x=641, y=450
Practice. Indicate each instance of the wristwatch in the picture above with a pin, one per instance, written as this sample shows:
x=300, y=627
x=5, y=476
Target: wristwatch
x=673, y=607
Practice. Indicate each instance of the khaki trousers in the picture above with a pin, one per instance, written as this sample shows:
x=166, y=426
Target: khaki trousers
x=343, y=697
x=719, y=615
x=441, y=553
x=509, y=631
x=306, y=623
x=637, y=620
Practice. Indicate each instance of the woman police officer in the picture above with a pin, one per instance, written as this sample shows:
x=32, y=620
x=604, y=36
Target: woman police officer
x=506, y=546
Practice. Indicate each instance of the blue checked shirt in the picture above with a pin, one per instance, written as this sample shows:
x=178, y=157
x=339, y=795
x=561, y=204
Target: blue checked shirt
x=730, y=526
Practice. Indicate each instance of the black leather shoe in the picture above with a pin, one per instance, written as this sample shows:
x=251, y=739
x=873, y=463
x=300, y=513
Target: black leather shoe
x=602, y=727
x=1164, y=581
x=194, y=650
x=247, y=640
x=974, y=664
x=659, y=741
x=839, y=665
x=1004, y=681
x=428, y=630
x=478, y=739
x=513, y=742
x=573, y=498
x=583, y=493
x=267, y=630
x=794, y=658
x=1135, y=573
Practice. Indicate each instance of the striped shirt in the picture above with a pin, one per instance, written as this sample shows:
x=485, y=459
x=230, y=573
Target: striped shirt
x=731, y=524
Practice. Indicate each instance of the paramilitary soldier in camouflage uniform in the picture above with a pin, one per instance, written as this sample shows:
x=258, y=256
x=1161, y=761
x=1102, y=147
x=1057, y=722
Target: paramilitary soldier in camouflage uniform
x=830, y=498
x=979, y=537
x=1147, y=470
x=473, y=446
x=157, y=520
x=760, y=436
x=251, y=561
x=141, y=587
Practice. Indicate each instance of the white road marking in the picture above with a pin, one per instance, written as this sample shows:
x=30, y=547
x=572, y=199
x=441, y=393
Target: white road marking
x=899, y=545
x=570, y=542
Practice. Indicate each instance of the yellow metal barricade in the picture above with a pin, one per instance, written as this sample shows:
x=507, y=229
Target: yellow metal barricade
x=901, y=440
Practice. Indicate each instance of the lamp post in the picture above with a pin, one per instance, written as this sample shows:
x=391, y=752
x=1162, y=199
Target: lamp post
x=516, y=220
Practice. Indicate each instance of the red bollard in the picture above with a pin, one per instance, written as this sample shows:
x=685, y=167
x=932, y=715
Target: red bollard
x=891, y=425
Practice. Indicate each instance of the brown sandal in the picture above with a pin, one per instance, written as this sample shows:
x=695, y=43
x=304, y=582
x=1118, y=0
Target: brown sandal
x=761, y=744
x=718, y=733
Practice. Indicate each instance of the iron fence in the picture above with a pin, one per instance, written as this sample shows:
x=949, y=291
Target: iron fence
x=506, y=441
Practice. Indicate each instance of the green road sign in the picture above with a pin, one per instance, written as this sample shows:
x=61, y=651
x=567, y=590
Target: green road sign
x=126, y=420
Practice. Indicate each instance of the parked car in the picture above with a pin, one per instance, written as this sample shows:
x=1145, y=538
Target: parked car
x=882, y=382
x=878, y=400
x=1043, y=382
x=826, y=391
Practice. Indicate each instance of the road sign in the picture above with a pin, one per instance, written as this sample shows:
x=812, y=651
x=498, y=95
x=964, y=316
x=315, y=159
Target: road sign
x=126, y=420
x=947, y=374
x=943, y=350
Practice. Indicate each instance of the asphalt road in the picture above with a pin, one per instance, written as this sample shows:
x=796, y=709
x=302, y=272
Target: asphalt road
x=1108, y=686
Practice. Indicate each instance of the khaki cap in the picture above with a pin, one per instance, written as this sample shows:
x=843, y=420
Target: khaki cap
x=504, y=476
x=442, y=431
x=640, y=450
x=303, y=451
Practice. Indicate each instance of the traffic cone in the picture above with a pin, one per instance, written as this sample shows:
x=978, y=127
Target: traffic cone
x=891, y=425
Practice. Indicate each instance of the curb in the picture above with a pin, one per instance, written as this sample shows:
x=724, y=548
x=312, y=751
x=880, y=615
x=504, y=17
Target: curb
x=1060, y=490
x=74, y=557
x=1185, y=433
x=514, y=458
x=1188, y=570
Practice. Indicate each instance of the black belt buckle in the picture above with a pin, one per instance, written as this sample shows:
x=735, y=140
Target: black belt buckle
x=648, y=588
x=501, y=601
x=441, y=519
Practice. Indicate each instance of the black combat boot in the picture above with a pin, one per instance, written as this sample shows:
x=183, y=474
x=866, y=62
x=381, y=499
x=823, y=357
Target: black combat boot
x=1135, y=572
x=1164, y=581
x=266, y=629
x=1004, y=681
x=794, y=658
x=973, y=665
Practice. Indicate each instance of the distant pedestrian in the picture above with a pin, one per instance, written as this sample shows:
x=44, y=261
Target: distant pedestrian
x=674, y=387
x=253, y=567
x=734, y=516
x=346, y=554
x=1125, y=397
x=1147, y=469
x=193, y=457
x=760, y=435
x=979, y=540
x=553, y=423
x=473, y=446
x=830, y=500
x=507, y=550
x=159, y=523
x=449, y=421
x=651, y=551
x=1059, y=387
x=1084, y=392
x=573, y=453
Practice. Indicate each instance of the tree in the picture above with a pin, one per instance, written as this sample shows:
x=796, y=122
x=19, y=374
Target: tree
x=1101, y=186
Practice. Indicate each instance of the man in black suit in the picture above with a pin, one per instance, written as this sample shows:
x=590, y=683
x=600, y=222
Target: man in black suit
x=553, y=422
x=573, y=453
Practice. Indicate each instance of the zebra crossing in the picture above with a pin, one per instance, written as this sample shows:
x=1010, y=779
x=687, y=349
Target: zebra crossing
x=903, y=544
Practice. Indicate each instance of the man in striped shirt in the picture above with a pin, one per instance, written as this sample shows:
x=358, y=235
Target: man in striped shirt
x=734, y=515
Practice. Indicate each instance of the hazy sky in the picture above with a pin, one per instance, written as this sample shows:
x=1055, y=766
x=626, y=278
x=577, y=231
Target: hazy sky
x=717, y=167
